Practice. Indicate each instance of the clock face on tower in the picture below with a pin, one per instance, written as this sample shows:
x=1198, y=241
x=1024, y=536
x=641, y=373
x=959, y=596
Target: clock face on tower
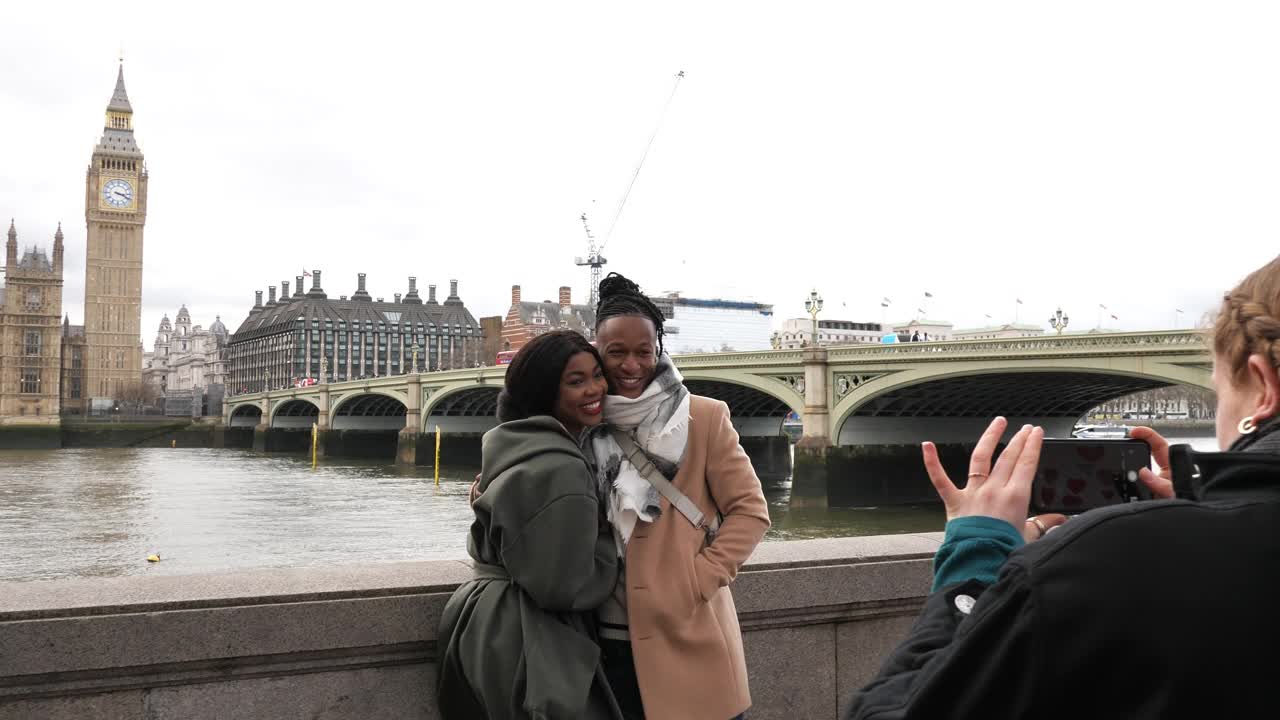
x=117, y=193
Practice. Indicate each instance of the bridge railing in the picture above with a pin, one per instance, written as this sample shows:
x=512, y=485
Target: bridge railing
x=479, y=374
x=1174, y=341
x=1140, y=342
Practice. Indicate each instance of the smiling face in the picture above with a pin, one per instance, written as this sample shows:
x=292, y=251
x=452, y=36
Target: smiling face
x=629, y=345
x=582, y=390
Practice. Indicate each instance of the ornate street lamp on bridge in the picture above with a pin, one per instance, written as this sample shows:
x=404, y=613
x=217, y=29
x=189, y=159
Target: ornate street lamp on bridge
x=1058, y=321
x=813, y=306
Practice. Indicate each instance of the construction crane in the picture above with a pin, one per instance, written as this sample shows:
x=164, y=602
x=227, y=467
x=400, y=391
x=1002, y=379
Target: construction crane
x=594, y=259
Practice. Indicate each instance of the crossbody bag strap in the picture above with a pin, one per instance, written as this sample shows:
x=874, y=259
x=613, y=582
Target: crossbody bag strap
x=641, y=462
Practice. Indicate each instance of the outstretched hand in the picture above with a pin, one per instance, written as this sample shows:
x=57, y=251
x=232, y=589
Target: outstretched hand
x=1002, y=491
x=1161, y=484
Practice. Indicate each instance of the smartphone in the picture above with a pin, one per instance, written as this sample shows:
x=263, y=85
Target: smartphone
x=1079, y=475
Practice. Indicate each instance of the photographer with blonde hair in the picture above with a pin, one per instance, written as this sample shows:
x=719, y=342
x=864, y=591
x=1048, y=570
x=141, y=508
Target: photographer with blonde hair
x=1157, y=609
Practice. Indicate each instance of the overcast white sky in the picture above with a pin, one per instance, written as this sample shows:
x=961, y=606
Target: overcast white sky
x=1073, y=154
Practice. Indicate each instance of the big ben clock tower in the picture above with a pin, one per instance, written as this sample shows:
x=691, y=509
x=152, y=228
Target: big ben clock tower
x=115, y=211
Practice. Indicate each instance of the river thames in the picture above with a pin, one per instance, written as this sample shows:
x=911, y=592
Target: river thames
x=100, y=512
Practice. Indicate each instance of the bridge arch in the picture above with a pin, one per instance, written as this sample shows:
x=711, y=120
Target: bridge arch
x=294, y=413
x=368, y=411
x=463, y=407
x=245, y=415
x=757, y=405
x=954, y=404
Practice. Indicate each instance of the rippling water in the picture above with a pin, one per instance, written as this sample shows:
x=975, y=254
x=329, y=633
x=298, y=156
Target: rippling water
x=77, y=513
x=101, y=512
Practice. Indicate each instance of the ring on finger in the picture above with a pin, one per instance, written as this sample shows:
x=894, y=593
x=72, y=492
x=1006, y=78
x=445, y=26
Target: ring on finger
x=1039, y=526
x=974, y=475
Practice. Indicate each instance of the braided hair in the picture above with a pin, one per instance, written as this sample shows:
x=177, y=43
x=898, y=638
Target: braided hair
x=1249, y=322
x=620, y=297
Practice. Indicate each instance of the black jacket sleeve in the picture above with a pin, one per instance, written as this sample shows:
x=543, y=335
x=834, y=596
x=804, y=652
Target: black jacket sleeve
x=958, y=665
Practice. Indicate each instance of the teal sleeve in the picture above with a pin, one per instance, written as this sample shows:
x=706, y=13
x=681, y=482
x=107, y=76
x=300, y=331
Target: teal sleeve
x=974, y=548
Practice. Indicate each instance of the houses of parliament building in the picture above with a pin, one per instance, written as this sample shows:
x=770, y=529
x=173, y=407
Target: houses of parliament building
x=47, y=365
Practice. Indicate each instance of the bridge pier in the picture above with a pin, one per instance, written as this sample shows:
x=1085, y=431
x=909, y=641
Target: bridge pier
x=809, y=472
x=409, y=440
x=817, y=413
x=809, y=478
x=409, y=448
x=770, y=455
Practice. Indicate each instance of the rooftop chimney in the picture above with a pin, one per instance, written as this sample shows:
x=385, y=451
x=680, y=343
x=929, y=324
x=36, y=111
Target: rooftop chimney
x=257, y=299
x=565, y=297
x=297, y=288
x=360, y=293
x=411, y=297
x=284, y=291
x=397, y=298
x=271, y=296
x=316, y=291
x=453, y=298
x=515, y=295
x=431, y=295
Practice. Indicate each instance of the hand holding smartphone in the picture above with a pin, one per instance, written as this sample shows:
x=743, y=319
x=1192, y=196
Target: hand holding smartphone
x=1078, y=475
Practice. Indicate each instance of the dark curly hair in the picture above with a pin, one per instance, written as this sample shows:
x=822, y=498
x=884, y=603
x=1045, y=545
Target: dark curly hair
x=532, y=384
x=620, y=296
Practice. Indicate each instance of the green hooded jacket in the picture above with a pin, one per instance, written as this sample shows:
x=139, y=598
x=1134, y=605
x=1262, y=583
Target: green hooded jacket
x=517, y=640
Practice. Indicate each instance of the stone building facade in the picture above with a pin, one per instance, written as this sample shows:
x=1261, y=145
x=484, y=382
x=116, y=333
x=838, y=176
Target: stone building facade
x=30, y=334
x=186, y=369
x=993, y=332
x=115, y=213
x=72, y=386
x=796, y=333
x=305, y=337
x=491, y=332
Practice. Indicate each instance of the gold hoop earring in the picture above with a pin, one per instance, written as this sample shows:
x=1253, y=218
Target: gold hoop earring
x=1246, y=426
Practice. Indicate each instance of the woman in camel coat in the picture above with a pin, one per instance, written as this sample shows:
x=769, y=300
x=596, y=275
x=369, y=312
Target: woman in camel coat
x=670, y=640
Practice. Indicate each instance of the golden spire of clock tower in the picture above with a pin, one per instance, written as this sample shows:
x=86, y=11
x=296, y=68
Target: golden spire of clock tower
x=119, y=111
x=120, y=98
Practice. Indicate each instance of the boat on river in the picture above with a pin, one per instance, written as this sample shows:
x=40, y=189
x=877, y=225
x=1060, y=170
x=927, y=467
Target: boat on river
x=1100, y=432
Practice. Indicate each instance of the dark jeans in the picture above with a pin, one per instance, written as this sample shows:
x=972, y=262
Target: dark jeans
x=620, y=669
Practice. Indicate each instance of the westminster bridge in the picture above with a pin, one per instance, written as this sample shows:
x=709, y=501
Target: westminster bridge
x=851, y=396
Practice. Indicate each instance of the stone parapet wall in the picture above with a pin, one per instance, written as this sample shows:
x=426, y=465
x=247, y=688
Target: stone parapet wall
x=359, y=641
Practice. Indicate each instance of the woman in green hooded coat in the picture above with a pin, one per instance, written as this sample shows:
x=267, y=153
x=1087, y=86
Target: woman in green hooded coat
x=518, y=640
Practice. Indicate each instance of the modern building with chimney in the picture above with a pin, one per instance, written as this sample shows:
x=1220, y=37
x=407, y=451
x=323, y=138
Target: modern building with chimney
x=527, y=320
x=30, y=332
x=306, y=336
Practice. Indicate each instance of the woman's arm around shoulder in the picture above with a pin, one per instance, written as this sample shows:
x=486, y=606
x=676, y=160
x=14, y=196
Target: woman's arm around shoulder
x=561, y=555
x=736, y=491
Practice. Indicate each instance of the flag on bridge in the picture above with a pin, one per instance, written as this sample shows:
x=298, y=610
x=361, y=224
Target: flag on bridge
x=1019, y=300
x=928, y=294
